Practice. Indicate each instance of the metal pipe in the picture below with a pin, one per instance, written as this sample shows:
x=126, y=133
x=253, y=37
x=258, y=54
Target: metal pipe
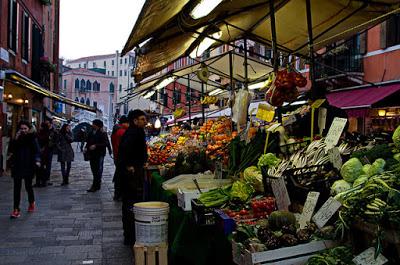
x=273, y=33
x=311, y=50
x=189, y=90
x=202, y=106
x=246, y=74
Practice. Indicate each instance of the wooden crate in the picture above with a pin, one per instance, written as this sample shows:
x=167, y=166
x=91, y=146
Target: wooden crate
x=151, y=255
x=296, y=255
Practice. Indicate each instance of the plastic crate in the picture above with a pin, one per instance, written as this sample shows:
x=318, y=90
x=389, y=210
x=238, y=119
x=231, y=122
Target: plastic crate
x=224, y=222
x=299, y=191
x=202, y=215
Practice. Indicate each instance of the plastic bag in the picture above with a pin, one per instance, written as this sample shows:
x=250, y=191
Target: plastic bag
x=239, y=110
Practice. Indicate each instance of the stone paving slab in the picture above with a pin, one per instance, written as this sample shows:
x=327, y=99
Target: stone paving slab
x=69, y=227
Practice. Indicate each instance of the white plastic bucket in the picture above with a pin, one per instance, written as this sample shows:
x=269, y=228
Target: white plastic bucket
x=151, y=222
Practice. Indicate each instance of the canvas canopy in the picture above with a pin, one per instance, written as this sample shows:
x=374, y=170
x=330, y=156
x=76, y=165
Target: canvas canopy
x=173, y=33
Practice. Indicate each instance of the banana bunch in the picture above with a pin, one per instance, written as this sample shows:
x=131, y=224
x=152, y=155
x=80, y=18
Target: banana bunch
x=209, y=100
x=268, y=82
x=179, y=113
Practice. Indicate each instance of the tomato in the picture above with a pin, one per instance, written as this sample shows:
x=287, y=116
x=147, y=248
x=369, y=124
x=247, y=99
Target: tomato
x=243, y=212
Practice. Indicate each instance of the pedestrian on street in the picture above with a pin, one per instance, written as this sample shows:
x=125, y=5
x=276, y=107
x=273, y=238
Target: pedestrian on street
x=132, y=158
x=95, y=150
x=116, y=136
x=43, y=138
x=65, y=153
x=51, y=149
x=24, y=157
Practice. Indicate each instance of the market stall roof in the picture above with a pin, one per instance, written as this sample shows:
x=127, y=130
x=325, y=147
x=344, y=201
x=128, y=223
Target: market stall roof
x=173, y=33
x=21, y=80
x=258, y=70
x=361, y=98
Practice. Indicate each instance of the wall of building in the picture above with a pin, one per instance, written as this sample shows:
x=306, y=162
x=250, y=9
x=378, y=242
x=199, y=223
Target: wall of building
x=105, y=99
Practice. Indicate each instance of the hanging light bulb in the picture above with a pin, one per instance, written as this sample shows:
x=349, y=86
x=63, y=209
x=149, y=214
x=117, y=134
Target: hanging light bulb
x=157, y=124
x=204, y=45
x=203, y=8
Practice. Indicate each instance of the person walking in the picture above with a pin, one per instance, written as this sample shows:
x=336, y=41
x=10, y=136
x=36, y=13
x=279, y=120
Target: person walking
x=116, y=136
x=65, y=152
x=43, y=138
x=132, y=157
x=25, y=156
x=51, y=148
x=95, y=149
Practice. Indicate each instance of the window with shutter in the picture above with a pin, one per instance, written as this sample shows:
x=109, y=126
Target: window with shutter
x=383, y=35
x=25, y=36
x=12, y=25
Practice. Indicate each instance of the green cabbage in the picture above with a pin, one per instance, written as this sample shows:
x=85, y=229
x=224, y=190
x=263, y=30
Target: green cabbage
x=241, y=191
x=253, y=176
x=396, y=137
x=377, y=167
x=360, y=180
x=397, y=157
x=351, y=170
x=339, y=186
x=268, y=160
x=365, y=169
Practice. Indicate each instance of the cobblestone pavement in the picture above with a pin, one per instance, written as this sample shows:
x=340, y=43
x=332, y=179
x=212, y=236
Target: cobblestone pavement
x=69, y=227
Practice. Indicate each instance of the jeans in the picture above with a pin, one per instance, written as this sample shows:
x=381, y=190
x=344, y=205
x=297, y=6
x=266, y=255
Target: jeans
x=65, y=171
x=96, y=165
x=17, y=190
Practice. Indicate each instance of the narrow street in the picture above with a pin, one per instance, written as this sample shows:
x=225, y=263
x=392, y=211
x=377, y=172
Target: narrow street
x=69, y=226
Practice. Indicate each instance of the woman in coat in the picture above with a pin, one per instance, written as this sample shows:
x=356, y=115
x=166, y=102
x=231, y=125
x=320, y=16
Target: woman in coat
x=25, y=156
x=65, y=152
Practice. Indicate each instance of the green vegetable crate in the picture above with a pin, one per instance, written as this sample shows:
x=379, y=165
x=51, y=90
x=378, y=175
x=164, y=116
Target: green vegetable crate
x=202, y=215
x=296, y=255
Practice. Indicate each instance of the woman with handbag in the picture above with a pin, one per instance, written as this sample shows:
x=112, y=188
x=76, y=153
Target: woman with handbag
x=65, y=152
x=25, y=156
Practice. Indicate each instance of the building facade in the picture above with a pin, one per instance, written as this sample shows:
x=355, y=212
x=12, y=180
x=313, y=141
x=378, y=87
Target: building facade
x=29, y=51
x=113, y=65
x=93, y=89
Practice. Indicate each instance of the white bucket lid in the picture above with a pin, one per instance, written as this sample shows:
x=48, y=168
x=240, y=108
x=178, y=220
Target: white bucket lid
x=151, y=205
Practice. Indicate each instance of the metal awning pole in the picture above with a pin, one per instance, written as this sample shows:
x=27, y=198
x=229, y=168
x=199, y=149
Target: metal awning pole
x=274, y=50
x=232, y=96
x=202, y=106
x=189, y=90
x=246, y=74
x=311, y=50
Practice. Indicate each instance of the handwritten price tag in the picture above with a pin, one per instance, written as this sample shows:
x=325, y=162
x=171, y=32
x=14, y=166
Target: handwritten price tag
x=335, y=158
x=265, y=112
x=326, y=212
x=308, y=208
x=335, y=131
x=322, y=119
x=281, y=194
x=367, y=258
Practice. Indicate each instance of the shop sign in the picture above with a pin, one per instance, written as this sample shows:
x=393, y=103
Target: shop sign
x=308, y=209
x=281, y=194
x=334, y=133
x=326, y=212
x=368, y=258
x=4, y=55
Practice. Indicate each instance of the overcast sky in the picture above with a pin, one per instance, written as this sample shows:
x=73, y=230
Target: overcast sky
x=94, y=27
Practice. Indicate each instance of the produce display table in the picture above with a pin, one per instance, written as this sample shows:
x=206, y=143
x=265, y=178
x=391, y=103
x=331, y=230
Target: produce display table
x=190, y=244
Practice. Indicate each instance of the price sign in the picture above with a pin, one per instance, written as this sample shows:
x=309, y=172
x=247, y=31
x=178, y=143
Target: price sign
x=288, y=120
x=367, y=258
x=308, y=209
x=322, y=119
x=335, y=131
x=335, y=158
x=265, y=112
x=326, y=212
x=281, y=194
x=316, y=104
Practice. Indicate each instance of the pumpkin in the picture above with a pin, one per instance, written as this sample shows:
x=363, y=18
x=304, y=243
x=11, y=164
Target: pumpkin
x=277, y=219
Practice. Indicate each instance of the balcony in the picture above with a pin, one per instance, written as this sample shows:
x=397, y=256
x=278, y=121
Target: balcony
x=341, y=65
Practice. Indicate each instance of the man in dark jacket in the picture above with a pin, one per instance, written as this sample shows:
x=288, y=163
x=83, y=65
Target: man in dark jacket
x=132, y=157
x=96, y=149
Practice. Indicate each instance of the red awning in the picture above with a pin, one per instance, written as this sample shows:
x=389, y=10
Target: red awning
x=361, y=98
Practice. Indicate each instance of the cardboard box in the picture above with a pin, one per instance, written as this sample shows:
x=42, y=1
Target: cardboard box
x=296, y=255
